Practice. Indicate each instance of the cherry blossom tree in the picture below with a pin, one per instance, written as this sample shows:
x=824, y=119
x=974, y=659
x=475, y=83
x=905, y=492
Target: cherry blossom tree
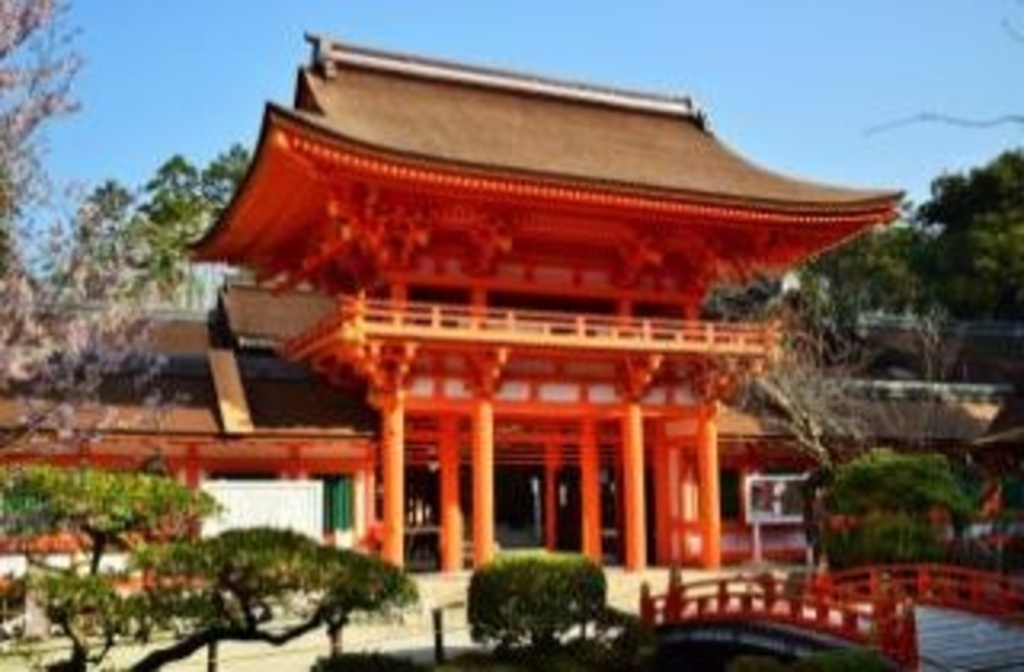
x=69, y=308
x=37, y=66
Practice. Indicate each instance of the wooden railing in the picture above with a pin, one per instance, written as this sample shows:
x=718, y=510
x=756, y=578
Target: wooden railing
x=359, y=319
x=870, y=606
x=961, y=588
x=886, y=624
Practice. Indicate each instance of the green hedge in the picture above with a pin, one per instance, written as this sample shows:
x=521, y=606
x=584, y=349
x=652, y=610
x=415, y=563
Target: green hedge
x=533, y=600
x=892, y=499
x=881, y=538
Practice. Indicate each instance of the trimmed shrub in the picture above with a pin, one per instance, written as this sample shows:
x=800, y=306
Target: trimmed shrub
x=884, y=538
x=898, y=502
x=848, y=660
x=533, y=600
x=913, y=483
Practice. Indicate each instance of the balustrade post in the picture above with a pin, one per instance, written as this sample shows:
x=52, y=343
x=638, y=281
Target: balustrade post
x=673, y=602
x=646, y=605
x=922, y=580
x=768, y=587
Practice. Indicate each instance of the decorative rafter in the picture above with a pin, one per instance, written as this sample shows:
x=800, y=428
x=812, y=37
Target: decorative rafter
x=392, y=232
x=486, y=371
x=638, y=253
x=488, y=237
x=636, y=374
x=387, y=369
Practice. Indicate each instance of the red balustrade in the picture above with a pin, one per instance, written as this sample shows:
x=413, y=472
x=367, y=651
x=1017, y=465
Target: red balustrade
x=887, y=624
x=945, y=586
x=872, y=606
x=359, y=318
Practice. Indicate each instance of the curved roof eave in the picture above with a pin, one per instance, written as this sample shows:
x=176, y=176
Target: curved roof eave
x=867, y=199
x=879, y=206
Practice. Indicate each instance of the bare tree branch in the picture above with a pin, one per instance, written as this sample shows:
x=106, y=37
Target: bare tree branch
x=951, y=120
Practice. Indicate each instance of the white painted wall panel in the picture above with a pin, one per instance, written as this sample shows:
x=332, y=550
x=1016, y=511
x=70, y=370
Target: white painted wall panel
x=296, y=505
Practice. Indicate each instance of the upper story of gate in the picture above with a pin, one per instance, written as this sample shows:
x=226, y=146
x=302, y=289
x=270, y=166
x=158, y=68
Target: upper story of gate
x=461, y=204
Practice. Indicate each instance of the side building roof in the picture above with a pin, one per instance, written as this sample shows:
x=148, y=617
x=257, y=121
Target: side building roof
x=282, y=398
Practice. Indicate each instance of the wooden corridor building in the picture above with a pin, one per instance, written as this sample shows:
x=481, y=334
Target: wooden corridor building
x=517, y=266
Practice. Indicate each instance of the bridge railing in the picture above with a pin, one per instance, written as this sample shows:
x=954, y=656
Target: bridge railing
x=886, y=623
x=947, y=586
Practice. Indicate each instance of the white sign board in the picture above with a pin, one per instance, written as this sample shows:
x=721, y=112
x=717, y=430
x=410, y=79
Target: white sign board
x=293, y=505
x=775, y=499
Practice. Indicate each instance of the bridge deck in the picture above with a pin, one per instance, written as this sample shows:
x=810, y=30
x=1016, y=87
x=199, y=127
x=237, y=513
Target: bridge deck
x=954, y=640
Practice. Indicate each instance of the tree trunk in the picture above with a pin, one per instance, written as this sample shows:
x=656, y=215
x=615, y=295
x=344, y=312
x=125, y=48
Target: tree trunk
x=78, y=662
x=336, y=645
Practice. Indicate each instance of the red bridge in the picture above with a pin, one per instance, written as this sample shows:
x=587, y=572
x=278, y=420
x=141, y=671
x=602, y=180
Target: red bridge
x=872, y=607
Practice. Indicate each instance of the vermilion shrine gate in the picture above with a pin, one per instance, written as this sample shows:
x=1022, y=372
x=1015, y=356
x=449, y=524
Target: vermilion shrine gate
x=519, y=265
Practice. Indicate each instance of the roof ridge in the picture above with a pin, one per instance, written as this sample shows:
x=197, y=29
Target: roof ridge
x=328, y=53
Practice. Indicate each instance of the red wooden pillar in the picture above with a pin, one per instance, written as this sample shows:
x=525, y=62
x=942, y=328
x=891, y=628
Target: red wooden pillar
x=451, y=508
x=370, y=494
x=483, y=481
x=552, y=461
x=393, y=472
x=590, y=491
x=689, y=509
x=633, y=487
x=665, y=485
x=193, y=468
x=708, y=496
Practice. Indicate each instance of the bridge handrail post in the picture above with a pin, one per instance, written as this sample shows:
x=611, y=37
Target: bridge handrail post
x=924, y=580
x=977, y=591
x=673, y=600
x=771, y=592
x=882, y=614
x=823, y=585
x=723, y=595
x=903, y=645
x=647, y=616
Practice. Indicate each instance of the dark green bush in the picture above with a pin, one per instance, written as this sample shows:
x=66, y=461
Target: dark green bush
x=534, y=600
x=913, y=483
x=894, y=500
x=880, y=538
x=845, y=660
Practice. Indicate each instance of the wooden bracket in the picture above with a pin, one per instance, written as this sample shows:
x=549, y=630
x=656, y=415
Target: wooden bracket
x=636, y=375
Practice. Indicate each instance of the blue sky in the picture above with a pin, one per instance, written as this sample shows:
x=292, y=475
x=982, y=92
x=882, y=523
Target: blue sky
x=793, y=84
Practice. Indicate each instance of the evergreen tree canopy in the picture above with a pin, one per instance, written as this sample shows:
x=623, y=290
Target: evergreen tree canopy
x=961, y=253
